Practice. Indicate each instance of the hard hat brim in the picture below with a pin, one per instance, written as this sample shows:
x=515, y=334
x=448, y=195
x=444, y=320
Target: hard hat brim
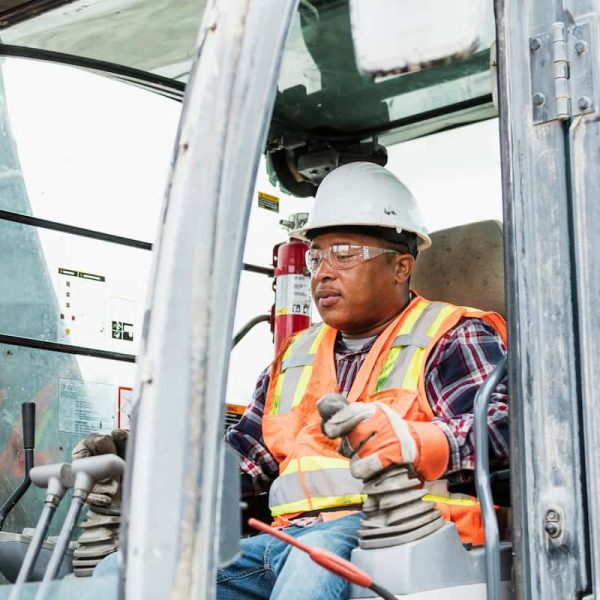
x=307, y=234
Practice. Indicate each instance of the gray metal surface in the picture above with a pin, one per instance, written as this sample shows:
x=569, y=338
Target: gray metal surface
x=463, y=592
x=176, y=474
x=231, y=518
x=482, y=480
x=436, y=562
x=543, y=100
x=545, y=428
x=13, y=547
x=584, y=143
x=71, y=588
x=582, y=47
x=60, y=548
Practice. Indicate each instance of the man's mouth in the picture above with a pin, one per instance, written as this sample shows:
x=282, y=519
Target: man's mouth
x=327, y=297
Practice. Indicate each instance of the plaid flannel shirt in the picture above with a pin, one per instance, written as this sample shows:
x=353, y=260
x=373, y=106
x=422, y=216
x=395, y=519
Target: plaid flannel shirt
x=456, y=368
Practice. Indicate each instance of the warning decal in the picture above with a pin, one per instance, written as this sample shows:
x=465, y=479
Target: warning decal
x=269, y=202
x=85, y=406
x=292, y=295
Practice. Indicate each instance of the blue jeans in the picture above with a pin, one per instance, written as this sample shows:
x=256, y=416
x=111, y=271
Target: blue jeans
x=109, y=565
x=269, y=568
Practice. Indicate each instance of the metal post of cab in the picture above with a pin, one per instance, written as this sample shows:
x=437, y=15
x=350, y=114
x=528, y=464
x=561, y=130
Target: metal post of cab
x=175, y=477
x=550, y=534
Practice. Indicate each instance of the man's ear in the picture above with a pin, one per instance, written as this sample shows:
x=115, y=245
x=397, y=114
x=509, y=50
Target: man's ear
x=404, y=266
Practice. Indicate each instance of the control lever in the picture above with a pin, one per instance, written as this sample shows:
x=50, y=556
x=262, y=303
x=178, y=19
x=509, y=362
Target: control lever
x=28, y=422
x=86, y=471
x=56, y=479
x=336, y=564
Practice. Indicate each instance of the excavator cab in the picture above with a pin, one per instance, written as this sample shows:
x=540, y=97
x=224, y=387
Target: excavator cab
x=158, y=190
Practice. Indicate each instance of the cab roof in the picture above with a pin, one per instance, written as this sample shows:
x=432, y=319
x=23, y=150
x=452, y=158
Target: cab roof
x=322, y=99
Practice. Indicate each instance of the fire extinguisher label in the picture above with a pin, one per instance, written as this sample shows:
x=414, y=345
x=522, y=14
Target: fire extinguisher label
x=292, y=295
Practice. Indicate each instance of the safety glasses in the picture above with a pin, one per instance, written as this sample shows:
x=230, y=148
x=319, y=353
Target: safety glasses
x=343, y=256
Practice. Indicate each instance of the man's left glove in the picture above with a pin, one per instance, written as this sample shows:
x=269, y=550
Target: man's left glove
x=101, y=527
x=375, y=437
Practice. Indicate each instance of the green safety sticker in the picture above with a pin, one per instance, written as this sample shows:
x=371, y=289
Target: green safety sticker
x=122, y=331
x=269, y=202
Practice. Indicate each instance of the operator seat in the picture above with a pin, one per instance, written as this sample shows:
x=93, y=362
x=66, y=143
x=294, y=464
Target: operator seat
x=464, y=266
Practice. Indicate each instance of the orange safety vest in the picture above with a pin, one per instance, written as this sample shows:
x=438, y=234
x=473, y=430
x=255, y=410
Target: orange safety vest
x=312, y=475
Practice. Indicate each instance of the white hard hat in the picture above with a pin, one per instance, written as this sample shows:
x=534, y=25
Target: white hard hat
x=365, y=194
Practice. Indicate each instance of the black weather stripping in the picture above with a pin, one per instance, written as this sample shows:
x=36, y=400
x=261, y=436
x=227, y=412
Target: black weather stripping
x=14, y=340
x=15, y=11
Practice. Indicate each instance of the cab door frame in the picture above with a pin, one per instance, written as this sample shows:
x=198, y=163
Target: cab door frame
x=550, y=333
x=175, y=467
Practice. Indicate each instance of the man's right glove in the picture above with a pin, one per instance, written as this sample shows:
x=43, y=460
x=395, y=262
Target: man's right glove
x=375, y=437
x=101, y=527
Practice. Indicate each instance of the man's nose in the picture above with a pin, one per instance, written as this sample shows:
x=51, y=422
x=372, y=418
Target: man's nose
x=324, y=270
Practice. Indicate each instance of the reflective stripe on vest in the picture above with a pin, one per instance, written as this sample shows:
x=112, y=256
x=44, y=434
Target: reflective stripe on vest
x=404, y=363
x=308, y=482
x=296, y=369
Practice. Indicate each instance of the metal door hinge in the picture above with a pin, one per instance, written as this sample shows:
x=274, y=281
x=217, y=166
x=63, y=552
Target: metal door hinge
x=562, y=72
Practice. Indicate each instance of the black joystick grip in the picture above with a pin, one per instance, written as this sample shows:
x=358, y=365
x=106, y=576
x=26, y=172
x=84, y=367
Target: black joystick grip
x=28, y=419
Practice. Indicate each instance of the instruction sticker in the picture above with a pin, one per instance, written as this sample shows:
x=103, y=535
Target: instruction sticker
x=124, y=407
x=82, y=307
x=85, y=406
x=269, y=202
x=292, y=295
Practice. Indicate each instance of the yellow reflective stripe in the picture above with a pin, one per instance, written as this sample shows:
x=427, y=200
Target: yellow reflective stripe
x=302, y=383
x=317, y=504
x=433, y=328
x=446, y=500
x=277, y=394
x=411, y=379
x=314, y=463
x=279, y=382
x=390, y=361
x=315, y=345
x=307, y=370
x=393, y=354
x=410, y=321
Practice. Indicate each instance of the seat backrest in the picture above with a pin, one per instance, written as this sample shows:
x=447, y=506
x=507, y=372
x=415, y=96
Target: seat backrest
x=464, y=266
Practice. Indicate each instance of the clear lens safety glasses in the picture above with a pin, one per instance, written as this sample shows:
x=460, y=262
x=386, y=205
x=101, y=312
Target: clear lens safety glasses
x=343, y=256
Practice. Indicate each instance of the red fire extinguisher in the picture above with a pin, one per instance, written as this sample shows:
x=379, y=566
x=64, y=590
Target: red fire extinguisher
x=292, y=308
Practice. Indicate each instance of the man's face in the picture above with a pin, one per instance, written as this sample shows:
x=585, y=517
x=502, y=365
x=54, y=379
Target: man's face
x=360, y=301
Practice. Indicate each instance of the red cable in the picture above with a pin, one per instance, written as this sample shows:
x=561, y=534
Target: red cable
x=334, y=563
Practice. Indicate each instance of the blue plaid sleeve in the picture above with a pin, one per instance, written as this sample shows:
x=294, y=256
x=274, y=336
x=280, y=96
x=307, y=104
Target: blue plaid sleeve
x=258, y=467
x=461, y=361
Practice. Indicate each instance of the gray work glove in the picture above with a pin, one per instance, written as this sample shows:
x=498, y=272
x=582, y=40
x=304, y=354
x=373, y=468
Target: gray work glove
x=376, y=437
x=100, y=536
x=339, y=418
x=106, y=493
